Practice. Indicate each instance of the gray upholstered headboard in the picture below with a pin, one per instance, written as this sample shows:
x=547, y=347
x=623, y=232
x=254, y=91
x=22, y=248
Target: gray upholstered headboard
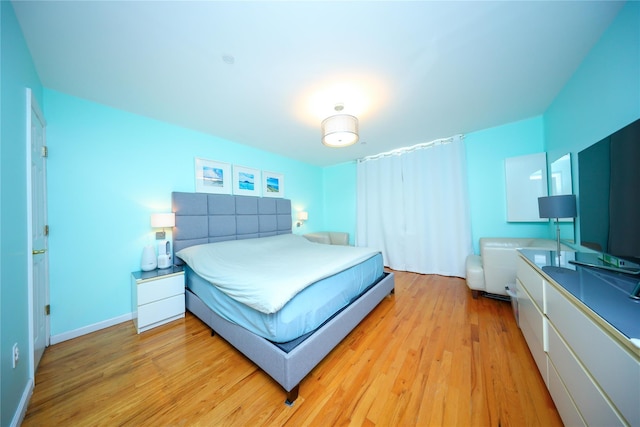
x=207, y=218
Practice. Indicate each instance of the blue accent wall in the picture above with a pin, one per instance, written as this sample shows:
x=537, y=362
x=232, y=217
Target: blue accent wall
x=108, y=171
x=602, y=96
x=604, y=93
x=17, y=73
x=339, y=185
x=486, y=154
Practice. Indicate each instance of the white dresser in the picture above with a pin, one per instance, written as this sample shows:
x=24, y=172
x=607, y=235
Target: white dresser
x=157, y=297
x=591, y=369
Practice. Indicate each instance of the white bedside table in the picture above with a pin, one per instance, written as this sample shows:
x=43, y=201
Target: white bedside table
x=157, y=297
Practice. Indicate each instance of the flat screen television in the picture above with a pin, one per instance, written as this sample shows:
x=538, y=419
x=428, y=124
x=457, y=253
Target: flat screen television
x=609, y=196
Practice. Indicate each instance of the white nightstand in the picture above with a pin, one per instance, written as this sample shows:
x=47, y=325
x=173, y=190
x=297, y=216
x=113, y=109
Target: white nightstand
x=157, y=297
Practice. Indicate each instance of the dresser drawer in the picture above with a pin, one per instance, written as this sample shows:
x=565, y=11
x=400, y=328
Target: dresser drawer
x=533, y=282
x=157, y=289
x=533, y=326
x=609, y=364
x=595, y=408
x=157, y=311
x=562, y=399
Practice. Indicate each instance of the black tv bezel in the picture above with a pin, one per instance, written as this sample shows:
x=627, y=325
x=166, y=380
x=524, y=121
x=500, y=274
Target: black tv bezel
x=631, y=263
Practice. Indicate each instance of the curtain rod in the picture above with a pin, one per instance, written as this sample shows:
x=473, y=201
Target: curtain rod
x=404, y=150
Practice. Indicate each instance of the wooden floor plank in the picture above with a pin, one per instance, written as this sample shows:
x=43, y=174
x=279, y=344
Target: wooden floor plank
x=427, y=355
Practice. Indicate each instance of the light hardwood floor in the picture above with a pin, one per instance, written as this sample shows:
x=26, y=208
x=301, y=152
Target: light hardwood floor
x=428, y=355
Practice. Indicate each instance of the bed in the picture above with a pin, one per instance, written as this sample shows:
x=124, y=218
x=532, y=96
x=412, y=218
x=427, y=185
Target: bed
x=290, y=353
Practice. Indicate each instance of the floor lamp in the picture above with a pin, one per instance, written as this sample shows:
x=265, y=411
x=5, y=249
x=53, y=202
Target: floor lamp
x=557, y=207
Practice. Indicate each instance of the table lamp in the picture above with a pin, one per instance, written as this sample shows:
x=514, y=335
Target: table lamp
x=563, y=206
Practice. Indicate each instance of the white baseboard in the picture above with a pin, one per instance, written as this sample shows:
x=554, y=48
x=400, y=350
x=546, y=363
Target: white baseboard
x=55, y=339
x=21, y=410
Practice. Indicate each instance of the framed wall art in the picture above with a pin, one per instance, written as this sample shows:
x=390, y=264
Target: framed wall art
x=246, y=181
x=272, y=184
x=213, y=177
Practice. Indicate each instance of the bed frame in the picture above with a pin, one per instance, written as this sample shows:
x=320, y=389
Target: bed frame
x=205, y=218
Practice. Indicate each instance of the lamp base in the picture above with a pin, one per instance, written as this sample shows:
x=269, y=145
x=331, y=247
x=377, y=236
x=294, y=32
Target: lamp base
x=558, y=253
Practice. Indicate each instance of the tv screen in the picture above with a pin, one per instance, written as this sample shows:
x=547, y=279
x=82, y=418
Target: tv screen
x=609, y=189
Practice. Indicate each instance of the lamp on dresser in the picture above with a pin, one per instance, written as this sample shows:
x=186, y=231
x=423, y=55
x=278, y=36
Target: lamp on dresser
x=562, y=206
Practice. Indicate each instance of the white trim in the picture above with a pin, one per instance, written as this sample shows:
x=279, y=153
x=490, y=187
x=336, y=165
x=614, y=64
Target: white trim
x=21, y=411
x=32, y=107
x=55, y=339
x=29, y=237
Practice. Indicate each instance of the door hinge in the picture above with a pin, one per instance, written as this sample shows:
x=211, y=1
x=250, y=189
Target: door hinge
x=45, y=151
x=46, y=230
x=47, y=309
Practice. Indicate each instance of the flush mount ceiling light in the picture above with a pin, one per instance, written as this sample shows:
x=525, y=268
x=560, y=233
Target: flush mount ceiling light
x=340, y=130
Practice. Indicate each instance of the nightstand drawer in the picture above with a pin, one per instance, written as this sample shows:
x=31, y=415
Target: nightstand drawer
x=154, y=290
x=157, y=311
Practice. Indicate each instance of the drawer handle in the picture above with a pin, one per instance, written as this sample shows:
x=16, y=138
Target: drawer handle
x=38, y=251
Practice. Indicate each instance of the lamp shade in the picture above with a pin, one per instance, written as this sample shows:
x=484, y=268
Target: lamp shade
x=340, y=130
x=303, y=216
x=563, y=206
x=161, y=220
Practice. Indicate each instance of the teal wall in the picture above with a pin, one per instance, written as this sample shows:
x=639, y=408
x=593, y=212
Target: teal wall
x=486, y=154
x=17, y=73
x=108, y=170
x=602, y=96
x=604, y=93
x=339, y=186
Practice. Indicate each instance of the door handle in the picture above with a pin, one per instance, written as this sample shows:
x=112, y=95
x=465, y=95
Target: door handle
x=38, y=251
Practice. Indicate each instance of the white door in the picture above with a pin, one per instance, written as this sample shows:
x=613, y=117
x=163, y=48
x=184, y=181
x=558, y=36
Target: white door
x=39, y=230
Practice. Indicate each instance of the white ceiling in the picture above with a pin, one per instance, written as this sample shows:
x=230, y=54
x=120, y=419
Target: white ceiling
x=410, y=71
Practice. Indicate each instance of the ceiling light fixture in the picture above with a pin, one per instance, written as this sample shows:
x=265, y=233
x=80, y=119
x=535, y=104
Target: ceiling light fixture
x=340, y=130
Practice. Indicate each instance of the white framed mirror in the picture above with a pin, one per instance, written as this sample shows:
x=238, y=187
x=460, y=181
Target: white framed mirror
x=526, y=180
x=560, y=182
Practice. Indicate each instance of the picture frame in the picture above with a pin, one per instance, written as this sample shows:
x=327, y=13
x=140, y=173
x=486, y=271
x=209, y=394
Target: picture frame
x=212, y=177
x=246, y=181
x=272, y=184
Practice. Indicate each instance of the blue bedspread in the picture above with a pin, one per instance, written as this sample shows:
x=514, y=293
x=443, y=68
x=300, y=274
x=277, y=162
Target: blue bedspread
x=307, y=310
x=265, y=273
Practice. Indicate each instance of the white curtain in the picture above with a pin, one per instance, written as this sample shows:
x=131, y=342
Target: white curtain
x=412, y=204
